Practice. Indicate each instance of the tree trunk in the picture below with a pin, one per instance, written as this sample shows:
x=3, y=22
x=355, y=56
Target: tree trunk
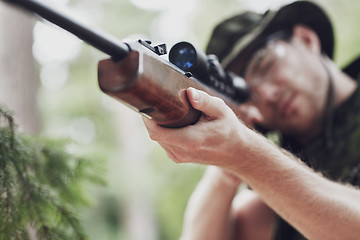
x=18, y=83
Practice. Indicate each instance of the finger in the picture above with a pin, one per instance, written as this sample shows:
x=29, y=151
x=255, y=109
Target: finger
x=170, y=136
x=149, y=124
x=171, y=152
x=210, y=106
x=154, y=130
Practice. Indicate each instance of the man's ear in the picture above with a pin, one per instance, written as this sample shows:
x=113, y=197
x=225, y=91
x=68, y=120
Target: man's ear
x=308, y=37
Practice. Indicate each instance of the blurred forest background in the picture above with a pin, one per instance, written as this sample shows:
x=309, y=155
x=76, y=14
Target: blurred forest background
x=49, y=80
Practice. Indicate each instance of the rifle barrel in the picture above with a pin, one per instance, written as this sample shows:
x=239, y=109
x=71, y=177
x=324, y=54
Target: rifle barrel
x=100, y=40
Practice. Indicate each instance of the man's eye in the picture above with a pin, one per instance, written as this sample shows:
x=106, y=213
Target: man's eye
x=266, y=64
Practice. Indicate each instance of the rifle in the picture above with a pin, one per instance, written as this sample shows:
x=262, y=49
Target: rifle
x=136, y=75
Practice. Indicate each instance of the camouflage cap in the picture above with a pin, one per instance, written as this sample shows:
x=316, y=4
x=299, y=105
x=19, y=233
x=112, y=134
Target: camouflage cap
x=234, y=40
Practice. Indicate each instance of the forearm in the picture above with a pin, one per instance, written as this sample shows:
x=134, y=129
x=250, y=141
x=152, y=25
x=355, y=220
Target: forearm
x=318, y=208
x=208, y=214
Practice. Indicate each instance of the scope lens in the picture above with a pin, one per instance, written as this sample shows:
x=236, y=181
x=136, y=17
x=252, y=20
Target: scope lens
x=183, y=55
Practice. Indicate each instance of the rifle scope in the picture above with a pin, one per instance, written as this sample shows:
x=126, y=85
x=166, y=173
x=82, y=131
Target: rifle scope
x=185, y=56
x=208, y=69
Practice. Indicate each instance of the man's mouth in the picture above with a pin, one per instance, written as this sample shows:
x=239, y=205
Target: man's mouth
x=287, y=106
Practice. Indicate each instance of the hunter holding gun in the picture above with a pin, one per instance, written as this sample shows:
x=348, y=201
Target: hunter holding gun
x=308, y=188
x=296, y=89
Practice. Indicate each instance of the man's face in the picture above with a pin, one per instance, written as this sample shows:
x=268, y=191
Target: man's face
x=289, y=86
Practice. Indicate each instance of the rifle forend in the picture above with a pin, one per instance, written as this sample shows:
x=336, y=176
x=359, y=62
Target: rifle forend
x=135, y=74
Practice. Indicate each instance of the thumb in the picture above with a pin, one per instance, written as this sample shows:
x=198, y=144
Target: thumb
x=209, y=105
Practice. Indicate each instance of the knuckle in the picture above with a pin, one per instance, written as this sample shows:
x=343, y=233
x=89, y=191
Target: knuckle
x=219, y=101
x=153, y=136
x=176, y=157
x=176, y=160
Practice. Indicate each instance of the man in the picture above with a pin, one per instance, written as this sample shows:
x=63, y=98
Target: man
x=285, y=57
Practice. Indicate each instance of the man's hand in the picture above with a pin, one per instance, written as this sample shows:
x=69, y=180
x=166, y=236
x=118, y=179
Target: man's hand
x=212, y=140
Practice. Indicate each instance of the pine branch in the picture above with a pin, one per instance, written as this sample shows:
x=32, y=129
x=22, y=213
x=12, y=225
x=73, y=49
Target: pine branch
x=40, y=183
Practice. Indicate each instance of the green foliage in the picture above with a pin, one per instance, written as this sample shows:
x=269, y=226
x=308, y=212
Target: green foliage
x=40, y=185
x=169, y=184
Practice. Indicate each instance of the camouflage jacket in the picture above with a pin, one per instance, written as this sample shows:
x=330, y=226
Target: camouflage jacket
x=336, y=152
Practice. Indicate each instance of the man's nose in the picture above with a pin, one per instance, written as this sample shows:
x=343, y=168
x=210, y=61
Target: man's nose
x=269, y=93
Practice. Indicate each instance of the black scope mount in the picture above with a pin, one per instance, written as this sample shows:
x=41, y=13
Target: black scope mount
x=207, y=69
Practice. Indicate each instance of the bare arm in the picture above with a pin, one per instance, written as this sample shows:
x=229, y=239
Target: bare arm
x=318, y=208
x=214, y=212
x=208, y=214
x=253, y=219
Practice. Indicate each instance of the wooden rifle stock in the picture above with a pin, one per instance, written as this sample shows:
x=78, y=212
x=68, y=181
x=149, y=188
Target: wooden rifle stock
x=135, y=74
